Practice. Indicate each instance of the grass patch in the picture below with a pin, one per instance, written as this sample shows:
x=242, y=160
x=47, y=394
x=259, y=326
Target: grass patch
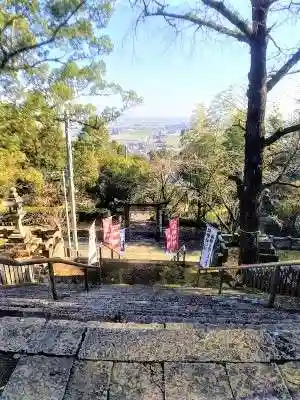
x=288, y=255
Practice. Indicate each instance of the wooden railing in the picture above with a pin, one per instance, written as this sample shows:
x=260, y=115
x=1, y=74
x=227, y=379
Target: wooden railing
x=288, y=279
x=112, y=252
x=50, y=262
x=181, y=253
x=275, y=282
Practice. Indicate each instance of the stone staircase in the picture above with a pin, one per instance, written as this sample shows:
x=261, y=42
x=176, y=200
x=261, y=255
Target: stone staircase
x=143, y=304
x=141, y=342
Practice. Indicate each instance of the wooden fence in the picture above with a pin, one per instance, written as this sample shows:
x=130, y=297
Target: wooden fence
x=288, y=279
x=278, y=277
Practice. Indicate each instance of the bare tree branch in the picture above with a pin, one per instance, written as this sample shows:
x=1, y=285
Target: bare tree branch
x=240, y=125
x=35, y=64
x=297, y=71
x=284, y=70
x=284, y=168
x=275, y=43
x=280, y=133
x=288, y=7
x=294, y=185
x=241, y=37
x=231, y=16
x=219, y=218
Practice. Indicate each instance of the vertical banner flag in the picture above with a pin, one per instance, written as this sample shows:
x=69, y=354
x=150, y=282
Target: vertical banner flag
x=174, y=228
x=172, y=236
x=114, y=237
x=211, y=235
x=106, y=223
x=92, y=250
x=122, y=241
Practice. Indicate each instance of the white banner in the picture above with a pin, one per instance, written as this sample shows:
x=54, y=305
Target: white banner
x=122, y=241
x=211, y=235
x=92, y=251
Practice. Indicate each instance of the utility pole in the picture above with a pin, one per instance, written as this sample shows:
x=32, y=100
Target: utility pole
x=67, y=213
x=71, y=183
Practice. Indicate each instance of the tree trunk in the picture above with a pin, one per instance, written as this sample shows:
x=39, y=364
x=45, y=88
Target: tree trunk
x=257, y=95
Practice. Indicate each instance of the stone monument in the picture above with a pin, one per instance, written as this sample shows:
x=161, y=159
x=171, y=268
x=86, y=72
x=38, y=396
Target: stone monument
x=269, y=222
x=20, y=242
x=16, y=213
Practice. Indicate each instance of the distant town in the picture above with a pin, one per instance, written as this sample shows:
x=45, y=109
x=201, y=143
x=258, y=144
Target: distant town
x=144, y=135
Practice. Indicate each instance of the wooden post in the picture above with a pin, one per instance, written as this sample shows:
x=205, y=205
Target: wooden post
x=100, y=256
x=100, y=265
x=86, y=282
x=157, y=234
x=221, y=281
x=127, y=215
x=274, y=286
x=111, y=254
x=198, y=278
x=52, y=281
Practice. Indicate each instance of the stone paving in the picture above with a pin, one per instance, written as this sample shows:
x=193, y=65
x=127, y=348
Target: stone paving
x=167, y=344
x=64, y=360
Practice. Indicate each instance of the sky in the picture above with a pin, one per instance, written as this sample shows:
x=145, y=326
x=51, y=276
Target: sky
x=173, y=74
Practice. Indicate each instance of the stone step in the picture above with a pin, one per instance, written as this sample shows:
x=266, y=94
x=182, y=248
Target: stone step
x=82, y=308
x=105, y=341
x=110, y=315
x=73, y=360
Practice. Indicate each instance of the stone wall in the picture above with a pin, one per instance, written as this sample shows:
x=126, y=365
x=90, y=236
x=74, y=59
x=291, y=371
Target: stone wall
x=286, y=243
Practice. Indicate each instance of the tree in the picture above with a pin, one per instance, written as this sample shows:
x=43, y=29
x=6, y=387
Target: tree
x=36, y=33
x=31, y=143
x=56, y=49
x=90, y=153
x=15, y=171
x=204, y=167
x=39, y=132
x=119, y=179
x=281, y=160
x=164, y=181
x=219, y=17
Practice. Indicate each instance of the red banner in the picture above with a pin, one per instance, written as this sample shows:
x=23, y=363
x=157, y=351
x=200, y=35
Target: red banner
x=172, y=236
x=115, y=237
x=106, y=223
x=111, y=233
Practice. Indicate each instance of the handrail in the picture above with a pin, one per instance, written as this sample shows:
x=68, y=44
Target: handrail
x=50, y=262
x=32, y=261
x=53, y=260
x=111, y=249
x=182, y=251
x=57, y=260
